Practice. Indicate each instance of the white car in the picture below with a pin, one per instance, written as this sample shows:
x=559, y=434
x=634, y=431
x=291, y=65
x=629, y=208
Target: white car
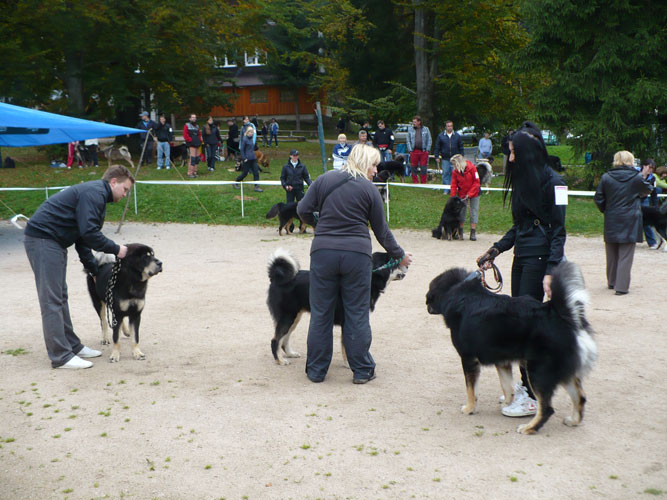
x=400, y=131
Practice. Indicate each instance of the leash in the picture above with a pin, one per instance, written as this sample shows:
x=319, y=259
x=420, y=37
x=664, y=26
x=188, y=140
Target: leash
x=496, y=275
x=479, y=274
x=389, y=265
x=108, y=294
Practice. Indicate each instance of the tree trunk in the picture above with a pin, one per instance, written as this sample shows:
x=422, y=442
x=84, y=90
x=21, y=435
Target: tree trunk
x=74, y=82
x=425, y=63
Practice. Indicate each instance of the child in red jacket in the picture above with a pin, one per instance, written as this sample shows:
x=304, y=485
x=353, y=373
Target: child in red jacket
x=465, y=185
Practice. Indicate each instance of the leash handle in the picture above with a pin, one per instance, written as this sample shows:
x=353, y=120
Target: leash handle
x=496, y=275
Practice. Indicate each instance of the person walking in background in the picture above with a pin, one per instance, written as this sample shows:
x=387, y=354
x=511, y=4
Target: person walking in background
x=537, y=234
x=212, y=140
x=340, y=126
x=340, y=152
x=465, y=185
x=165, y=136
x=618, y=198
x=485, y=146
x=248, y=159
x=244, y=129
x=505, y=147
x=192, y=136
x=384, y=141
x=292, y=177
x=448, y=144
x=648, y=173
x=93, y=145
x=418, y=144
x=149, y=126
x=273, y=131
x=265, y=134
x=232, y=139
x=72, y=153
x=340, y=261
x=73, y=216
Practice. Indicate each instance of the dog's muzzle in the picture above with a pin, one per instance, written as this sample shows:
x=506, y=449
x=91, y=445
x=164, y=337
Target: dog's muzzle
x=155, y=268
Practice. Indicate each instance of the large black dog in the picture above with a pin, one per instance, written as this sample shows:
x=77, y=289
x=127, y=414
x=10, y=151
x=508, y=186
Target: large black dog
x=129, y=293
x=286, y=213
x=394, y=167
x=289, y=298
x=657, y=217
x=554, y=338
x=450, y=220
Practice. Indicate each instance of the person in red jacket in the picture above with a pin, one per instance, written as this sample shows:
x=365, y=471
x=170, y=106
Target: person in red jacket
x=192, y=137
x=465, y=185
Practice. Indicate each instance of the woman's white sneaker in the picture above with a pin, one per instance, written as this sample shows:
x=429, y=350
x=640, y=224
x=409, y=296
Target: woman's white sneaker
x=522, y=405
x=76, y=363
x=87, y=352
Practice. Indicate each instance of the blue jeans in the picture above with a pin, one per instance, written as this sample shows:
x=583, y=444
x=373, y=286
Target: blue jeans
x=648, y=230
x=385, y=156
x=274, y=136
x=163, y=152
x=447, y=169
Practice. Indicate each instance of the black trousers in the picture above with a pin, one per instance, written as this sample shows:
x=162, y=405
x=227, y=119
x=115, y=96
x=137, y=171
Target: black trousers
x=211, y=150
x=247, y=167
x=346, y=276
x=527, y=276
x=294, y=195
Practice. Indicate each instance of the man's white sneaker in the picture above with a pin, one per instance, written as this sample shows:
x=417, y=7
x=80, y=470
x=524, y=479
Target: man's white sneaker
x=87, y=352
x=522, y=406
x=76, y=363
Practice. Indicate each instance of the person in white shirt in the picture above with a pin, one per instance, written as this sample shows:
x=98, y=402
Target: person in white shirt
x=485, y=147
x=340, y=152
x=93, y=145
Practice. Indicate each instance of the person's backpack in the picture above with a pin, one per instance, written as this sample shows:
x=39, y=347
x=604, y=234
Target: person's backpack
x=9, y=163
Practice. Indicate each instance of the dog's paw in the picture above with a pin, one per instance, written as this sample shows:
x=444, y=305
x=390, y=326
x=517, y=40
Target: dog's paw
x=467, y=409
x=105, y=342
x=282, y=362
x=570, y=422
x=292, y=354
x=525, y=429
x=138, y=355
x=115, y=357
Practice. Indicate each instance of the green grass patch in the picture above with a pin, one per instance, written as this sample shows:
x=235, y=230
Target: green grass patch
x=15, y=352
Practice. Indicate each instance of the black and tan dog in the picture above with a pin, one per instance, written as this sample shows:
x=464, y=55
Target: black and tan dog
x=286, y=213
x=289, y=298
x=449, y=221
x=657, y=217
x=553, y=338
x=129, y=293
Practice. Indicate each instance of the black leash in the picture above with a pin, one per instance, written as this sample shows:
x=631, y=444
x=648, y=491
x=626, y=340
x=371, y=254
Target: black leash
x=108, y=295
x=496, y=275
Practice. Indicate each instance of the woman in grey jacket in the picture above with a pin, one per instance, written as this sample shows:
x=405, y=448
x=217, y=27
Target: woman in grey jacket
x=340, y=260
x=617, y=197
x=248, y=159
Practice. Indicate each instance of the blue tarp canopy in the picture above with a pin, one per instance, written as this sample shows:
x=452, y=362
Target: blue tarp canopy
x=29, y=127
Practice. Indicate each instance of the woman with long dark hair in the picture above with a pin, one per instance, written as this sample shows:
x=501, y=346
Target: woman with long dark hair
x=211, y=138
x=537, y=233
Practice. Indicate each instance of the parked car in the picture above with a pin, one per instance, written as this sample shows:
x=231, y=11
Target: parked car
x=550, y=139
x=400, y=131
x=468, y=135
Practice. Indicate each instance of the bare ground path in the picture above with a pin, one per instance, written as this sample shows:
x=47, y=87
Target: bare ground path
x=209, y=414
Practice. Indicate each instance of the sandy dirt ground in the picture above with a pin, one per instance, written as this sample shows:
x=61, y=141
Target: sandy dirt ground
x=209, y=414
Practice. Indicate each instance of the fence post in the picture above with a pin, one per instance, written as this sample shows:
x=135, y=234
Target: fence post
x=387, y=189
x=242, y=206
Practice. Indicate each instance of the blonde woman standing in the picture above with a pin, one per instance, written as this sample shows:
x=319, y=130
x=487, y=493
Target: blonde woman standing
x=465, y=185
x=340, y=260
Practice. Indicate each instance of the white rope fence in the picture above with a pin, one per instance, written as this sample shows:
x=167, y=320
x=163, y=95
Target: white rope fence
x=46, y=189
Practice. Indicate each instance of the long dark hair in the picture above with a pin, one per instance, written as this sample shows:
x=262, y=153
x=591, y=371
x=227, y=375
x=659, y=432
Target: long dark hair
x=525, y=175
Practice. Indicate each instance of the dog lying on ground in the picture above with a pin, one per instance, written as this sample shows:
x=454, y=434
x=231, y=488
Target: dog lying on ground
x=553, y=338
x=657, y=217
x=129, y=293
x=450, y=220
x=287, y=214
x=289, y=291
x=113, y=153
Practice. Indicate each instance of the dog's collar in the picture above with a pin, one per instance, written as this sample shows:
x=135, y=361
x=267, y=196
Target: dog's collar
x=389, y=265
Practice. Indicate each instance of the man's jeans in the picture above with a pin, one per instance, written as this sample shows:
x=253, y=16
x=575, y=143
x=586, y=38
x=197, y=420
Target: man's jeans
x=447, y=168
x=385, y=156
x=163, y=152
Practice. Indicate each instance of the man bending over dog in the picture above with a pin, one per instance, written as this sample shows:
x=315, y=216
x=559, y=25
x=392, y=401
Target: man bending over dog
x=73, y=216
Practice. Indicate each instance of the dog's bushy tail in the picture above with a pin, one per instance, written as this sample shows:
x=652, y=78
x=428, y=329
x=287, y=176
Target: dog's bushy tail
x=275, y=210
x=282, y=267
x=569, y=298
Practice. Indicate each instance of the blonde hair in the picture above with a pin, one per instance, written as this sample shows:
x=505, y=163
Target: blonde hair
x=362, y=158
x=622, y=158
x=249, y=131
x=342, y=136
x=459, y=162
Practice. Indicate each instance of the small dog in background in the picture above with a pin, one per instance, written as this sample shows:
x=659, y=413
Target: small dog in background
x=450, y=220
x=485, y=171
x=287, y=214
x=115, y=153
x=179, y=154
x=263, y=161
x=394, y=167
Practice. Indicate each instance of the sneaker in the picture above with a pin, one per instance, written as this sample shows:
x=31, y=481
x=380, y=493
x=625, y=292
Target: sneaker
x=76, y=363
x=653, y=247
x=168, y=168
x=364, y=380
x=259, y=189
x=618, y=292
x=236, y=185
x=87, y=352
x=522, y=406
